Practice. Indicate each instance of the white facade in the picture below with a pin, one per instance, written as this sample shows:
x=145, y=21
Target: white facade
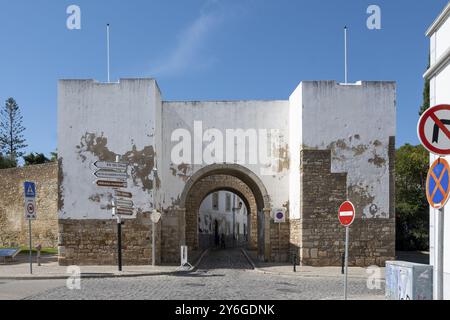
x=98, y=121
x=357, y=122
x=225, y=210
x=439, y=76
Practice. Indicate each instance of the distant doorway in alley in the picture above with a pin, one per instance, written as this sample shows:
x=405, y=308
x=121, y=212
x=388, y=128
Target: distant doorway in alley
x=223, y=221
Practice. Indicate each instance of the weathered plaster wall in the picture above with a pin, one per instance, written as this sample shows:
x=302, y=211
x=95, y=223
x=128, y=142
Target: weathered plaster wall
x=245, y=115
x=98, y=121
x=13, y=226
x=357, y=123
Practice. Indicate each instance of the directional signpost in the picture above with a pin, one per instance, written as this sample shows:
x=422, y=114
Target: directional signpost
x=434, y=133
x=346, y=215
x=114, y=175
x=30, y=212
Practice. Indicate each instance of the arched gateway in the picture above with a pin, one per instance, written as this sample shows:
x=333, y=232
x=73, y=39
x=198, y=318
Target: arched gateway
x=242, y=182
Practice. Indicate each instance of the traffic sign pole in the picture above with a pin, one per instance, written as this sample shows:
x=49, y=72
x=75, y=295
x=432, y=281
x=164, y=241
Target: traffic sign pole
x=346, y=262
x=153, y=244
x=119, y=242
x=31, y=244
x=439, y=270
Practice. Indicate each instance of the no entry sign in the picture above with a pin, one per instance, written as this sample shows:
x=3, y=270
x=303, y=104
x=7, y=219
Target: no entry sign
x=346, y=213
x=438, y=184
x=434, y=130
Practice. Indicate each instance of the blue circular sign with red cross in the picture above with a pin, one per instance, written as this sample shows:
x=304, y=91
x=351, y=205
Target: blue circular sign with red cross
x=438, y=184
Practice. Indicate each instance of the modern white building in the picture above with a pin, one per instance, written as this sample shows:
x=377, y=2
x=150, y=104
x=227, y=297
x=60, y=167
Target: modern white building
x=223, y=221
x=439, y=76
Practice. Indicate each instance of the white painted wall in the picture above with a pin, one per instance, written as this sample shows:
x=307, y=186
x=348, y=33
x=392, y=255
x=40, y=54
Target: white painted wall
x=130, y=115
x=355, y=121
x=295, y=138
x=123, y=113
x=221, y=115
x=440, y=94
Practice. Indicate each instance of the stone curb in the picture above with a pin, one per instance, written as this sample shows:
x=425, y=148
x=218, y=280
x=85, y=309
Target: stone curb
x=108, y=275
x=297, y=275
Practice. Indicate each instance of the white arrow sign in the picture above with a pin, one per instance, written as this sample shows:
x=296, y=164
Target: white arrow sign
x=104, y=174
x=111, y=165
x=124, y=203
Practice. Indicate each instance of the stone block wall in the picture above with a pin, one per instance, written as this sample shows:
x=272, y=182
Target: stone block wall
x=94, y=242
x=322, y=239
x=13, y=226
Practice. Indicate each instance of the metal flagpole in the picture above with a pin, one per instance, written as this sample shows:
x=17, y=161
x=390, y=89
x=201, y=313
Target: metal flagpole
x=345, y=54
x=107, y=52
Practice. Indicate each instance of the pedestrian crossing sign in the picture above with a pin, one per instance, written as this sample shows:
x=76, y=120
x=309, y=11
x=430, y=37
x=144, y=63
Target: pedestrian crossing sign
x=30, y=189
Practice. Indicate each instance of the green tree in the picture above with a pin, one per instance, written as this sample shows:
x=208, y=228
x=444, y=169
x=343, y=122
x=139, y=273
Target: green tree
x=412, y=209
x=6, y=163
x=426, y=94
x=54, y=156
x=35, y=158
x=12, y=141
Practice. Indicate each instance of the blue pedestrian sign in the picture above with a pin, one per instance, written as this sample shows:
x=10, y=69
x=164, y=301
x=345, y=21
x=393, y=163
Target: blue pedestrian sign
x=438, y=184
x=30, y=189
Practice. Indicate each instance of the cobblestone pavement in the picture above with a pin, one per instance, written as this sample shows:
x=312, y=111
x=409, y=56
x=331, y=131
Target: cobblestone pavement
x=224, y=275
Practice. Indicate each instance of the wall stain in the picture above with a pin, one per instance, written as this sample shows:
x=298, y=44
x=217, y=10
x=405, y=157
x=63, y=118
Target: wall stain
x=361, y=198
x=141, y=162
x=182, y=171
x=284, y=162
x=378, y=161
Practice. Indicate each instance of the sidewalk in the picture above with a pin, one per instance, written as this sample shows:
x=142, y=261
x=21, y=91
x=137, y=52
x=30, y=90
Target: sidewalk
x=50, y=270
x=286, y=269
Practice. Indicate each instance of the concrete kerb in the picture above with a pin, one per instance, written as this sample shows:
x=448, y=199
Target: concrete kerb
x=297, y=274
x=108, y=275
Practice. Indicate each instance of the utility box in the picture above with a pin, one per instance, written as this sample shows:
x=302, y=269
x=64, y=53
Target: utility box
x=408, y=281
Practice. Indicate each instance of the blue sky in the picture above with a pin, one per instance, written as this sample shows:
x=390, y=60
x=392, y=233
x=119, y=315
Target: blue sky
x=210, y=50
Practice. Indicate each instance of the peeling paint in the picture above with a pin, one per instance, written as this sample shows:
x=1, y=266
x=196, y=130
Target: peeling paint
x=284, y=159
x=378, y=161
x=359, y=150
x=183, y=171
x=142, y=162
x=362, y=199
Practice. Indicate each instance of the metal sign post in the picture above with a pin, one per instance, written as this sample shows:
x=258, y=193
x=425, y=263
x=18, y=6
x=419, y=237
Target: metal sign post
x=346, y=215
x=346, y=262
x=30, y=214
x=439, y=270
x=119, y=242
x=31, y=245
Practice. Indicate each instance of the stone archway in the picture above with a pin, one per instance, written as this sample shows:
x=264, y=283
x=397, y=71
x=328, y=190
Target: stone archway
x=242, y=182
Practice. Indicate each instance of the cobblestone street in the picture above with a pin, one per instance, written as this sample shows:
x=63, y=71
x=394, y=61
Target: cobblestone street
x=221, y=275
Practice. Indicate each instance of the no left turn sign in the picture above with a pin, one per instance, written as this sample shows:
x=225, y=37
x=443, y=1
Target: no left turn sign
x=434, y=130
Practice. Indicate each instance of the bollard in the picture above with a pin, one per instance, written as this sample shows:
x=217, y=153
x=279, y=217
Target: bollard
x=294, y=260
x=343, y=263
x=38, y=256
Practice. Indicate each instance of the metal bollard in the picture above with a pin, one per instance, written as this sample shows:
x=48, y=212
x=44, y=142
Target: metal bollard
x=38, y=256
x=343, y=263
x=294, y=260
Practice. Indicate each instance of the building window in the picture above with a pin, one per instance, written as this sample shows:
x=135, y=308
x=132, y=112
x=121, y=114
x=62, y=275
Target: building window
x=228, y=203
x=215, y=201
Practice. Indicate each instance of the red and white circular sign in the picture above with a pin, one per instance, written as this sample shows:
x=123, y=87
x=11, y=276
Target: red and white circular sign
x=347, y=213
x=434, y=131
